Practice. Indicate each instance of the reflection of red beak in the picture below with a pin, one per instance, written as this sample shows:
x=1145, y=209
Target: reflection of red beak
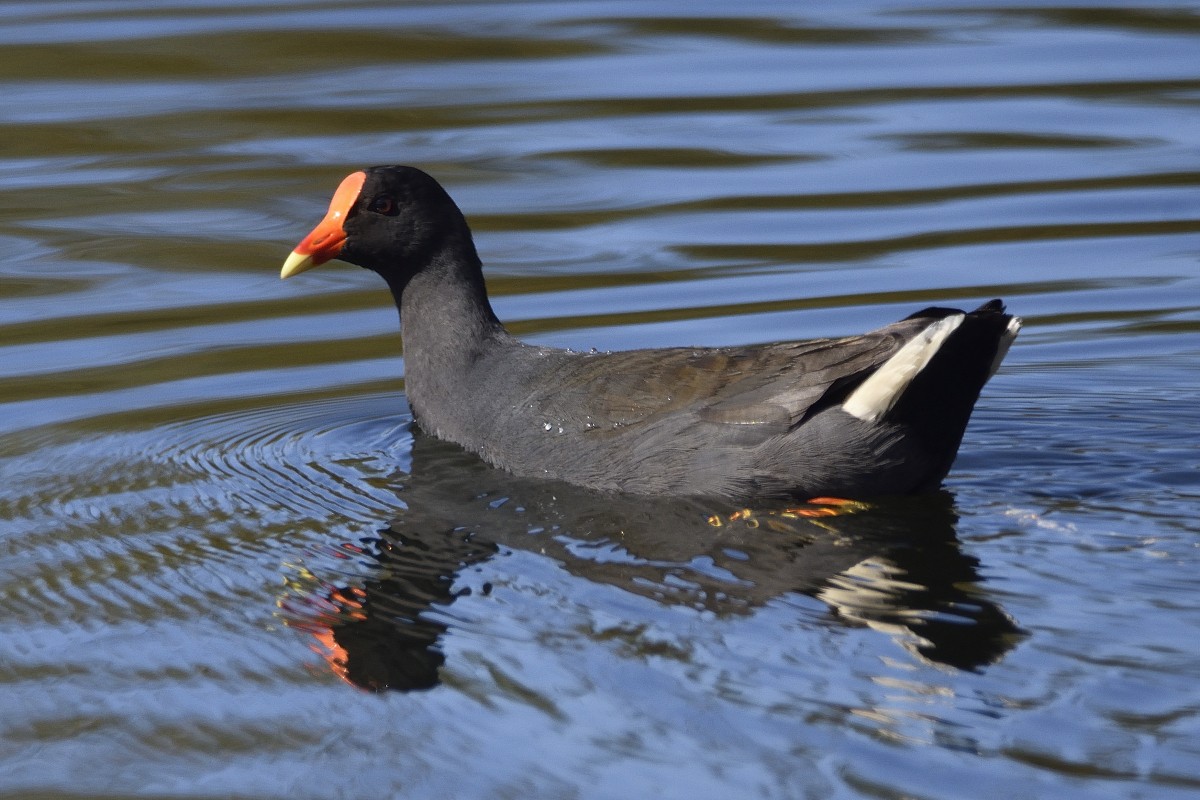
x=327, y=239
x=320, y=618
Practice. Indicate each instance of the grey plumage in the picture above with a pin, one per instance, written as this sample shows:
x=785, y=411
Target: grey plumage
x=769, y=421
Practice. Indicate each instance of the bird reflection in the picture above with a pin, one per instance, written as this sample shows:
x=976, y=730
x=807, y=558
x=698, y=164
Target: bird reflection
x=896, y=567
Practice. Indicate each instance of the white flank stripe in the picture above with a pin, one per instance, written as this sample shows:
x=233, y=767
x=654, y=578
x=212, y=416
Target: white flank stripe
x=880, y=392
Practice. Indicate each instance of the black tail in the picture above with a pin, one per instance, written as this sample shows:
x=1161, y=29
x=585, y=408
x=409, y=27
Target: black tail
x=938, y=403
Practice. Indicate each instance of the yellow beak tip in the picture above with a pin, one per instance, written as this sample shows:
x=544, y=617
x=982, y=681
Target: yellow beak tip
x=295, y=264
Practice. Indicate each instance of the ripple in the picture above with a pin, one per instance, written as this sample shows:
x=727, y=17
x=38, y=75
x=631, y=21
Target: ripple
x=205, y=472
x=140, y=525
x=309, y=458
x=280, y=454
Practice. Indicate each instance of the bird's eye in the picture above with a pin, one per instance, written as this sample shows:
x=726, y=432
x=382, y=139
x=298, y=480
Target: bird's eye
x=382, y=205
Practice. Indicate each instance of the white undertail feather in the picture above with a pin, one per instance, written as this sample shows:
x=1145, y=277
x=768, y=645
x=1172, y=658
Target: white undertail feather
x=878, y=393
x=1006, y=339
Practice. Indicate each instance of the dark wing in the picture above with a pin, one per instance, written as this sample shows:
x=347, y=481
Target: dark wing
x=766, y=388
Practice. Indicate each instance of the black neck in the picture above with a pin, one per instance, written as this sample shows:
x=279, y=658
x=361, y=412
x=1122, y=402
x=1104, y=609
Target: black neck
x=447, y=325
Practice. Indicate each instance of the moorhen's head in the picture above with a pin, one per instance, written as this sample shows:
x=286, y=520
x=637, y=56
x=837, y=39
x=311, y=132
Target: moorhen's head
x=392, y=220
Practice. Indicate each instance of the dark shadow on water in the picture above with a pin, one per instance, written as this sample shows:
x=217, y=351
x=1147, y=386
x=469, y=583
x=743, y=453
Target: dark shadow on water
x=895, y=566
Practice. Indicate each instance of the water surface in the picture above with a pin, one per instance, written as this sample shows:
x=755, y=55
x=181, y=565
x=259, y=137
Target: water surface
x=230, y=567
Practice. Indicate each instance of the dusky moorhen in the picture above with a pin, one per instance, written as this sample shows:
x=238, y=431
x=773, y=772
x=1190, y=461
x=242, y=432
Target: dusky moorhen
x=880, y=413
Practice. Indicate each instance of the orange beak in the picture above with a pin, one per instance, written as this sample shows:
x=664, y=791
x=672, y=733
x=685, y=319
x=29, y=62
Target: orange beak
x=327, y=239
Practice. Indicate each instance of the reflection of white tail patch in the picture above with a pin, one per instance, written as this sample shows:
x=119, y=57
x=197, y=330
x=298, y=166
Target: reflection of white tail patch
x=878, y=393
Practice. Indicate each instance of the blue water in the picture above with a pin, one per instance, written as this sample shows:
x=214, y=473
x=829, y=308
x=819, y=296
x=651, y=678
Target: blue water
x=229, y=566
